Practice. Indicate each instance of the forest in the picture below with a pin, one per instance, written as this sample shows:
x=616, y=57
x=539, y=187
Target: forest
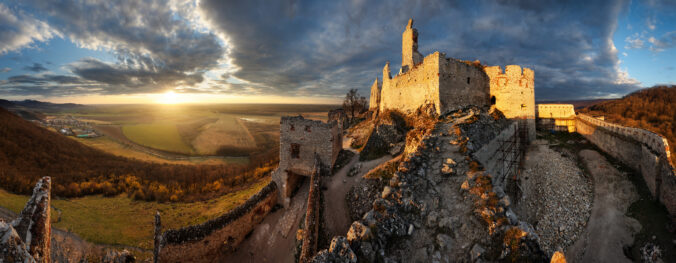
x=652, y=109
x=30, y=152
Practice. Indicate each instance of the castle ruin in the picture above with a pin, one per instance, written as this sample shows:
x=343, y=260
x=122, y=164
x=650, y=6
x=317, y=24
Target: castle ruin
x=300, y=139
x=450, y=84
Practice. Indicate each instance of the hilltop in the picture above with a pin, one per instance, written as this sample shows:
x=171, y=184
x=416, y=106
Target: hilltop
x=651, y=109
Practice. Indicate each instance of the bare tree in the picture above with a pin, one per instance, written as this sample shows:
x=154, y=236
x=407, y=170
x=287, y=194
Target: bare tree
x=353, y=103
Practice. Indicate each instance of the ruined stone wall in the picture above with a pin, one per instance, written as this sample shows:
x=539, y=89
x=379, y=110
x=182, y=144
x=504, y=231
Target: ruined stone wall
x=555, y=111
x=644, y=151
x=214, y=238
x=312, y=217
x=312, y=137
x=461, y=84
x=408, y=91
x=513, y=93
x=374, y=99
x=494, y=157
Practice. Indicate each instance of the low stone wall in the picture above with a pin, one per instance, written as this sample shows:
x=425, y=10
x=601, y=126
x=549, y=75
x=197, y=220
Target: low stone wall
x=644, y=151
x=311, y=231
x=212, y=239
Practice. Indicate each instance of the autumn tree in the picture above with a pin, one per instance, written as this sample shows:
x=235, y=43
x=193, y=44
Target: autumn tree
x=354, y=103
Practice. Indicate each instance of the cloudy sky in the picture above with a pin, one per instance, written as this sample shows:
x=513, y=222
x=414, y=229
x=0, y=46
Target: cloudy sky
x=116, y=51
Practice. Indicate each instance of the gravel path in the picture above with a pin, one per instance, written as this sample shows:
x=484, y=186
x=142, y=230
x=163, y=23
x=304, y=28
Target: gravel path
x=609, y=229
x=556, y=197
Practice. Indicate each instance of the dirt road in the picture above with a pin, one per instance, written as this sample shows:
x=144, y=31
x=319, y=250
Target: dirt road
x=608, y=229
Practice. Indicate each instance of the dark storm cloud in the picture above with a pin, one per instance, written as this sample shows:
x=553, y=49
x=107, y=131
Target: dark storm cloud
x=305, y=47
x=36, y=67
x=154, y=46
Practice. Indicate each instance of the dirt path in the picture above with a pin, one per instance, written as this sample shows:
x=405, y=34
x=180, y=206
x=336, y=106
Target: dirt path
x=274, y=239
x=336, y=213
x=608, y=229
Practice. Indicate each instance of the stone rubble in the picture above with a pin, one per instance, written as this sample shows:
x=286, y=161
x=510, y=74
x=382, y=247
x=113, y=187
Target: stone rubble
x=557, y=199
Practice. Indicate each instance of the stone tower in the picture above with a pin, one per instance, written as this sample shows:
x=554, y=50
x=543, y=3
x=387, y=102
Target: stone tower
x=513, y=93
x=409, y=48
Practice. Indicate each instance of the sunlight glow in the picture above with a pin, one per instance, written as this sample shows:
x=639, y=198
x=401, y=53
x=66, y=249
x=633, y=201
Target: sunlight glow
x=169, y=97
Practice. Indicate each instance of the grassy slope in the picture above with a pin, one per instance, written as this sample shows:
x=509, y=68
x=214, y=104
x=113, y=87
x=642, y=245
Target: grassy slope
x=123, y=221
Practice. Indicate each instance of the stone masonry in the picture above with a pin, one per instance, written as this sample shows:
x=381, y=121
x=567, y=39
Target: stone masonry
x=446, y=83
x=513, y=93
x=300, y=140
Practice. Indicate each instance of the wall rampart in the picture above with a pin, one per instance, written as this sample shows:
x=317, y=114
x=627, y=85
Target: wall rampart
x=414, y=88
x=513, y=93
x=644, y=151
x=312, y=217
x=211, y=239
x=461, y=84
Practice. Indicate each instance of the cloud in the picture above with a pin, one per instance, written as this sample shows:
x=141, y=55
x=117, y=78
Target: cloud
x=634, y=43
x=5, y=69
x=309, y=47
x=155, y=47
x=19, y=30
x=666, y=41
x=324, y=48
x=36, y=67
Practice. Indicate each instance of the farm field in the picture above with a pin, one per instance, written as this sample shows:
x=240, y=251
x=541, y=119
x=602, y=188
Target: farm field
x=122, y=221
x=213, y=134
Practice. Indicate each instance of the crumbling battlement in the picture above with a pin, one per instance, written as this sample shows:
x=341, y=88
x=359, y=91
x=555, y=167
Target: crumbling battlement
x=513, y=93
x=446, y=83
x=300, y=140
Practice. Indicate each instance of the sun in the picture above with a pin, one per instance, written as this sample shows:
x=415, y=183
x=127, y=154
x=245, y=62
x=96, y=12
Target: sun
x=169, y=97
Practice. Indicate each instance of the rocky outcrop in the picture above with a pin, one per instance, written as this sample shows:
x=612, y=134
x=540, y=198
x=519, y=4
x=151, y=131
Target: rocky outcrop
x=386, y=138
x=28, y=238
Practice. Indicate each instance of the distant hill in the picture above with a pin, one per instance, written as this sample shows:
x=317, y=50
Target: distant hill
x=28, y=152
x=653, y=109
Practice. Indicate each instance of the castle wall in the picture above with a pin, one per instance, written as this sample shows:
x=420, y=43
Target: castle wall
x=646, y=152
x=374, y=99
x=214, y=238
x=494, y=159
x=300, y=140
x=461, y=84
x=408, y=91
x=555, y=111
x=513, y=93
x=312, y=218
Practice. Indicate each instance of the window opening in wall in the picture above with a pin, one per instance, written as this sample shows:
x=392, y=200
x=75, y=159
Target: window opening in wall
x=467, y=80
x=295, y=150
x=492, y=100
x=307, y=128
x=293, y=128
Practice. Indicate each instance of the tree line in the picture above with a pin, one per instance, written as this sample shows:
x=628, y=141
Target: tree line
x=653, y=109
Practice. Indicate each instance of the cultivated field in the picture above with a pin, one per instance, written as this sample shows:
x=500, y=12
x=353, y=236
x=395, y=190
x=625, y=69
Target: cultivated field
x=159, y=135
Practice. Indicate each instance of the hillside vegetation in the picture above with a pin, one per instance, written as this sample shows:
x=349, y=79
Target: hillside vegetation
x=30, y=152
x=652, y=109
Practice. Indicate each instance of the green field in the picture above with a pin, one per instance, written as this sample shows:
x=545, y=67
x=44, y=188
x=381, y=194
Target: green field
x=123, y=221
x=161, y=136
